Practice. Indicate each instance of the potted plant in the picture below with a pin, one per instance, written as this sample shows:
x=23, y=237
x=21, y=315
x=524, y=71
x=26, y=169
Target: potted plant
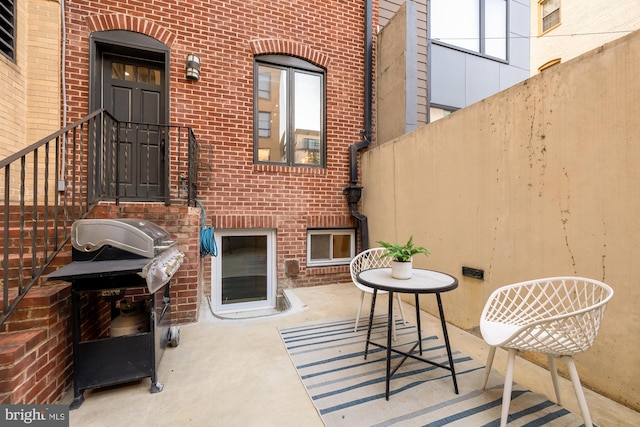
x=402, y=257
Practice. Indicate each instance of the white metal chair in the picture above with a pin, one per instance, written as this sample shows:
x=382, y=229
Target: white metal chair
x=556, y=316
x=367, y=260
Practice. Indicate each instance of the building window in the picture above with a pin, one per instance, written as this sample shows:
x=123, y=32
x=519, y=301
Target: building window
x=264, y=85
x=264, y=124
x=8, y=28
x=290, y=92
x=330, y=247
x=549, y=14
x=474, y=25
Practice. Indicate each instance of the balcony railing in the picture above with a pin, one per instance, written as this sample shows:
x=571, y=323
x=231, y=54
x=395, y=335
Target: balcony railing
x=59, y=179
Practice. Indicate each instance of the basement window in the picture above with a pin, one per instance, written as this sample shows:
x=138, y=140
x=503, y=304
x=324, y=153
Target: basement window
x=8, y=28
x=330, y=247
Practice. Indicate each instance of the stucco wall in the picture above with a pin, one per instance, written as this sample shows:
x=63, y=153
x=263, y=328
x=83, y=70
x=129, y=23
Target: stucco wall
x=387, y=10
x=538, y=180
x=397, y=75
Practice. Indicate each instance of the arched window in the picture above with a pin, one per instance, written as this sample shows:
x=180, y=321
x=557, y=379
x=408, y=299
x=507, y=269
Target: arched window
x=289, y=112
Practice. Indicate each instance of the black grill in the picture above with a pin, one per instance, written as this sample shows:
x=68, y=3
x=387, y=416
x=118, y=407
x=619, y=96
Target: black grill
x=112, y=256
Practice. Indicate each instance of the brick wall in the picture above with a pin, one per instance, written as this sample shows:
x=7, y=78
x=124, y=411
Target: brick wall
x=35, y=348
x=226, y=35
x=184, y=225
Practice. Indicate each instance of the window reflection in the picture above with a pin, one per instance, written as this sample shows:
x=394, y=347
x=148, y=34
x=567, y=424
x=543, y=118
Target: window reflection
x=457, y=23
x=496, y=28
x=272, y=102
x=154, y=76
x=117, y=71
x=143, y=75
x=130, y=72
x=307, y=118
x=341, y=246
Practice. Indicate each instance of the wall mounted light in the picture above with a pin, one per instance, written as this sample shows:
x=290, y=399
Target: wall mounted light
x=193, y=67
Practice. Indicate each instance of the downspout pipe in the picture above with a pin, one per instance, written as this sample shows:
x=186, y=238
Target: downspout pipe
x=354, y=192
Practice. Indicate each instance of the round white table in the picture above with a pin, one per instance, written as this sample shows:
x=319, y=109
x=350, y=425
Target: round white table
x=421, y=282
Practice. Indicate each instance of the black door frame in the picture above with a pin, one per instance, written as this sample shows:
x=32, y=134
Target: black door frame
x=134, y=45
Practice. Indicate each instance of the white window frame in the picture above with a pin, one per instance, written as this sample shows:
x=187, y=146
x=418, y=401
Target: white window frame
x=331, y=261
x=216, y=269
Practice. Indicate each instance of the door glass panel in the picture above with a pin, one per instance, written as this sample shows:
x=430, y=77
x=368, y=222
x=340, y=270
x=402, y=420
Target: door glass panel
x=244, y=269
x=143, y=74
x=154, y=76
x=130, y=72
x=117, y=71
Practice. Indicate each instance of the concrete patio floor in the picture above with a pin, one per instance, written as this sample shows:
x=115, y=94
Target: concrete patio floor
x=238, y=373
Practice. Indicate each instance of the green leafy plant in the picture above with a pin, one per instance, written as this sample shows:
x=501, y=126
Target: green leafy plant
x=402, y=253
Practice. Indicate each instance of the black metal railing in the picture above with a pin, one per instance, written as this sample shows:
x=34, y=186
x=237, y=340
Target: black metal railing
x=59, y=179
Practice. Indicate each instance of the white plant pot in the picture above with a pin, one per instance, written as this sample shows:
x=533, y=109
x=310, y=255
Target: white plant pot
x=401, y=270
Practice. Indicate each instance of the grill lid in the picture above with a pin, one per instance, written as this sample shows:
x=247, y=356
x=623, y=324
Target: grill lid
x=136, y=236
x=120, y=247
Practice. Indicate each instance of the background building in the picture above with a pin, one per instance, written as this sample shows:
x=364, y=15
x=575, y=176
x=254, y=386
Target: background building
x=564, y=29
x=456, y=53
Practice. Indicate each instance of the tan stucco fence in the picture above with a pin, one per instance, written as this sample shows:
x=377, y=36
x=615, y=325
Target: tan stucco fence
x=542, y=179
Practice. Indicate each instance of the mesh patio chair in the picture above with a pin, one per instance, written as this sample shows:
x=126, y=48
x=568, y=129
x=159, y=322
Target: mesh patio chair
x=557, y=316
x=368, y=260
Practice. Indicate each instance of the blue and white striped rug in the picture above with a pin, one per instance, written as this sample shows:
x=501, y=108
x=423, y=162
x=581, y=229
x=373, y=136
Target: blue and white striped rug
x=350, y=391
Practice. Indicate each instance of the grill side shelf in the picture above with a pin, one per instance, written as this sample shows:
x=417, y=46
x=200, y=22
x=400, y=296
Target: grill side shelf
x=94, y=269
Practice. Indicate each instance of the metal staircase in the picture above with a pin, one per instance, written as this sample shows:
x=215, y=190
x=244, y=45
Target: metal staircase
x=46, y=187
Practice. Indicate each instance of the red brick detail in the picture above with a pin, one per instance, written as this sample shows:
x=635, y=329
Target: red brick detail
x=288, y=47
x=117, y=21
x=330, y=221
x=184, y=225
x=243, y=221
x=36, y=364
x=288, y=170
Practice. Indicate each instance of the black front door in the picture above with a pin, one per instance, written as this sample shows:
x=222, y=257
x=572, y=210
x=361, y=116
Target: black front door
x=133, y=91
